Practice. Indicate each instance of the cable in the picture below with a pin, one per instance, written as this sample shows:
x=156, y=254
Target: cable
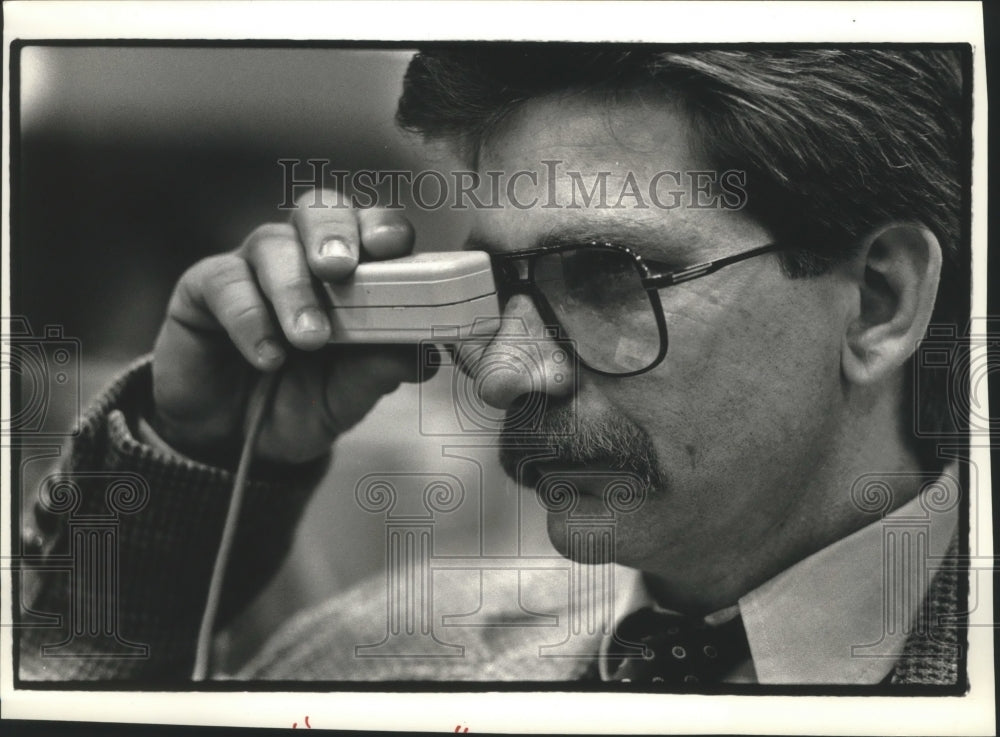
x=260, y=398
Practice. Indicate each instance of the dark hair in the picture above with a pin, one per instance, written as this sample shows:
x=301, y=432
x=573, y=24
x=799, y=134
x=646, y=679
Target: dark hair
x=835, y=142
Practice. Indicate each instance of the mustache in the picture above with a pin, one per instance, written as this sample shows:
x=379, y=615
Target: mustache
x=608, y=439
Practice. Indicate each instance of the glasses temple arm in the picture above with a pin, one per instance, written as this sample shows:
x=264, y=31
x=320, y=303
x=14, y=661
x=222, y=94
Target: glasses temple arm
x=656, y=281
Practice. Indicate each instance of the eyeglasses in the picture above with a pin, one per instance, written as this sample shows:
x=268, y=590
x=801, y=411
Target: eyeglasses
x=604, y=297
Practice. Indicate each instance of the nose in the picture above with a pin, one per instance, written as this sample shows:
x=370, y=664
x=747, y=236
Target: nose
x=525, y=357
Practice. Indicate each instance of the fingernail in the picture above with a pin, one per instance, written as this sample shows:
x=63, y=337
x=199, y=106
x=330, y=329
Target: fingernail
x=268, y=351
x=334, y=248
x=310, y=320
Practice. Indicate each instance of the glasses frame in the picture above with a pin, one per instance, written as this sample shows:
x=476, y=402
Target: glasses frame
x=653, y=275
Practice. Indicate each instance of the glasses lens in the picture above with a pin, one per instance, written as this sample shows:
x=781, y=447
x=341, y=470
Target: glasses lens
x=597, y=295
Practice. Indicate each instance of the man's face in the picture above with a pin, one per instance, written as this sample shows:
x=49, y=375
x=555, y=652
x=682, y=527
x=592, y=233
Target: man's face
x=730, y=429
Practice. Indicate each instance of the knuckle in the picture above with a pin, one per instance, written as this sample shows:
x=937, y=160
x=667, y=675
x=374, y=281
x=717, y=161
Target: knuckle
x=253, y=313
x=225, y=271
x=207, y=276
x=299, y=284
x=268, y=237
x=190, y=289
x=202, y=269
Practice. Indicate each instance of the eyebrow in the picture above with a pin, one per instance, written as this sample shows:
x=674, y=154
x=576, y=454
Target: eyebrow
x=648, y=240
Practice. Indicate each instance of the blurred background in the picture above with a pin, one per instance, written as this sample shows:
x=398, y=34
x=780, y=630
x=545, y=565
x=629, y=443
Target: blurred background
x=135, y=162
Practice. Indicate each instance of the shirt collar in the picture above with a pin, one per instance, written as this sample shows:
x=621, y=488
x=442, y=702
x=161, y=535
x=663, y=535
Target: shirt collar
x=827, y=619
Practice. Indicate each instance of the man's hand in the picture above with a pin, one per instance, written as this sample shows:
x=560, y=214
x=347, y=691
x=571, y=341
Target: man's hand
x=261, y=308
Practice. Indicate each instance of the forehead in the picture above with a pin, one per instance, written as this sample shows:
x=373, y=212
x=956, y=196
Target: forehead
x=600, y=127
x=551, y=152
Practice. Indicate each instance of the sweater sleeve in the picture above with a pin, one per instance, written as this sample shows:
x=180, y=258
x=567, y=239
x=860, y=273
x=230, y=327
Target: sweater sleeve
x=121, y=544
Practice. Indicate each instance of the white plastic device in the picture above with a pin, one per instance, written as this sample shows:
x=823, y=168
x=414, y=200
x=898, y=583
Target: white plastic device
x=427, y=296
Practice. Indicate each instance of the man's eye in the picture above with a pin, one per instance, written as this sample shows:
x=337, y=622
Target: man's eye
x=596, y=277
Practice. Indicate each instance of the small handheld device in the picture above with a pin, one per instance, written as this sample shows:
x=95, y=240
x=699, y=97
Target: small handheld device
x=437, y=296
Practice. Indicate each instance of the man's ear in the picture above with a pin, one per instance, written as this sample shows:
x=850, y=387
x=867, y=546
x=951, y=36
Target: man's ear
x=897, y=283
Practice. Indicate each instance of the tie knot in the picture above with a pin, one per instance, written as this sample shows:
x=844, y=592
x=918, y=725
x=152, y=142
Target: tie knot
x=679, y=650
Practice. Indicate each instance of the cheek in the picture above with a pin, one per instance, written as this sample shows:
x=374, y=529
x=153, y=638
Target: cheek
x=741, y=378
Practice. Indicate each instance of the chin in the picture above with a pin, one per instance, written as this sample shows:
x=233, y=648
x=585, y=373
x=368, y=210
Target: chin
x=588, y=540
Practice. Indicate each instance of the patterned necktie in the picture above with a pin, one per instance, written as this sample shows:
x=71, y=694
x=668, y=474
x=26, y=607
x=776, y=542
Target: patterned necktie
x=686, y=652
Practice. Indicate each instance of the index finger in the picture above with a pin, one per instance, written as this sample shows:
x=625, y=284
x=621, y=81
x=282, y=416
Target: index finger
x=329, y=235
